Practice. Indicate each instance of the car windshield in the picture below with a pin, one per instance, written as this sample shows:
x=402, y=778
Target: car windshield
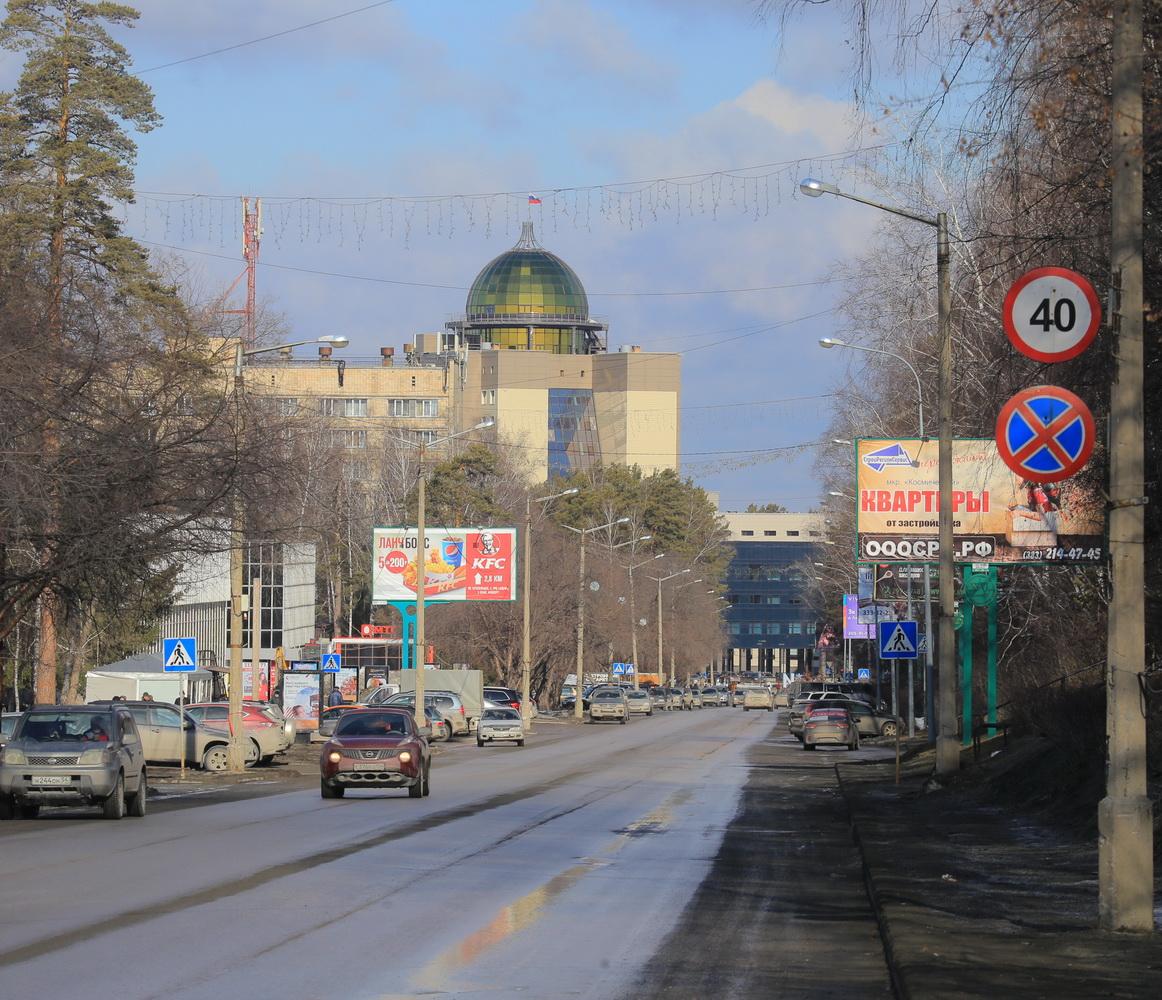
x=502, y=714
x=607, y=696
x=637, y=694
x=831, y=715
x=54, y=727
x=372, y=724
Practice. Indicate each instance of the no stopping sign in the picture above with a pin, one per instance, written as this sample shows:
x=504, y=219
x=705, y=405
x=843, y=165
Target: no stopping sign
x=1052, y=314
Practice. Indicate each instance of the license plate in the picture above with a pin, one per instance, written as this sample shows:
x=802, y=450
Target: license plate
x=370, y=767
x=50, y=779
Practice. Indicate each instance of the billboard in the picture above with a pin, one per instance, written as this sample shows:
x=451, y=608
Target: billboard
x=461, y=564
x=997, y=516
x=852, y=627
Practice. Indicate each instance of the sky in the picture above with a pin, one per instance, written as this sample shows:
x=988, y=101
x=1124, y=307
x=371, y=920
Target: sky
x=394, y=149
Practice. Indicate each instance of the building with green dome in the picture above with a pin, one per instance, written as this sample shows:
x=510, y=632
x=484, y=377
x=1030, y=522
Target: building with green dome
x=528, y=299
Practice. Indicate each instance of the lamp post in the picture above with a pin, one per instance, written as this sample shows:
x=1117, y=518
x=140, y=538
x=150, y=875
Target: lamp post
x=419, y=655
x=526, y=642
x=632, y=607
x=236, y=754
x=673, y=595
x=578, y=706
x=659, y=580
x=830, y=342
x=947, y=746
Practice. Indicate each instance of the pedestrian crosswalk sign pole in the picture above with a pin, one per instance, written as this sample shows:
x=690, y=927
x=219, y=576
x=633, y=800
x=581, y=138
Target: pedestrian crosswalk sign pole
x=899, y=640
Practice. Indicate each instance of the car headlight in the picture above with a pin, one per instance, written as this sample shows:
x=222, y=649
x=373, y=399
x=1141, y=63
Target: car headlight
x=100, y=756
x=334, y=756
x=12, y=756
x=405, y=756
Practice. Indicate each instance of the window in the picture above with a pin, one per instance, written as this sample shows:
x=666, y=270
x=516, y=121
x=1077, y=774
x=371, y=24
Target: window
x=795, y=601
x=287, y=406
x=348, y=439
x=339, y=406
x=488, y=397
x=795, y=628
x=770, y=534
x=771, y=599
x=774, y=628
x=424, y=437
x=813, y=534
x=756, y=628
x=748, y=533
x=415, y=407
x=735, y=628
x=792, y=534
x=756, y=599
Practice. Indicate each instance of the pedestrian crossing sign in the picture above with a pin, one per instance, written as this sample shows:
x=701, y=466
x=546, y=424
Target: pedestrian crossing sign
x=179, y=656
x=899, y=640
x=332, y=662
x=618, y=669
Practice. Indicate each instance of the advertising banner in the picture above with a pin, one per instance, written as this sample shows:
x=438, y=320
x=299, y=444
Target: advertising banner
x=852, y=628
x=300, y=699
x=461, y=564
x=997, y=516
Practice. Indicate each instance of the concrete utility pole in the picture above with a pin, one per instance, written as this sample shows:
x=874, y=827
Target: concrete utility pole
x=1125, y=823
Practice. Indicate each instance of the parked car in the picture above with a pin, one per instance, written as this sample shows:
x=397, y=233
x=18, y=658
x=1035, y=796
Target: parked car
x=329, y=720
x=69, y=754
x=506, y=697
x=609, y=703
x=500, y=724
x=640, y=702
x=709, y=697
x=831, y=725
x=783, y=698
x=691, y=699
x=867, y=719
x=446, y=703
x=439, y=728
x=757, y=697
x=260, y=726
x=7, y=724
x=375, y=748
x=289, y=726
x=162, y=727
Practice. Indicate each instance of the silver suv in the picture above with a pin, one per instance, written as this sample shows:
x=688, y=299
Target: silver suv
x=70, y=754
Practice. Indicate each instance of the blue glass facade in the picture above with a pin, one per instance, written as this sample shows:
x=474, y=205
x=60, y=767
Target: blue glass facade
x=769, y=606
x=573, y=444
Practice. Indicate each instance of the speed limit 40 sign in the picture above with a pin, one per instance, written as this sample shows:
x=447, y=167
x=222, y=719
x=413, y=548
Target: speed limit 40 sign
x=1052, y=314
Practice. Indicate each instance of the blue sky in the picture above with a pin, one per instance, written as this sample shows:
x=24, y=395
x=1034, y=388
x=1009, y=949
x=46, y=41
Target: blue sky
x=455, y=97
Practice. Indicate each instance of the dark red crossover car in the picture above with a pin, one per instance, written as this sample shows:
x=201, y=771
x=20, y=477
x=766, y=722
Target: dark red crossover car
x=375, y=748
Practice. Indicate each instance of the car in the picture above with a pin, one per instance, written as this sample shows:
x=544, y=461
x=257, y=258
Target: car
x=830, y=725
x=868, y=720
x=266, y=731
x=439, y=728
x=783, y=698
x=506, y=697
x=501, y=723
x=609, y=703
x=375, y=748
x=161, y=727
x=757, y=697
x=673, y=699
x=691, y=699
x=446, y=703
x=640, y=702
x=330, y=719
x=70, y=754
x=289, y=726
x=7, y=725
x=709, y=697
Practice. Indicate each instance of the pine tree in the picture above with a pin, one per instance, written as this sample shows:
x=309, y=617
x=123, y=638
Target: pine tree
x=65, y=155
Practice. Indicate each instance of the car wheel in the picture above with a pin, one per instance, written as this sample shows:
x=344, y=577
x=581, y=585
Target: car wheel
x=745, y=709
x=889, y=730
x=267, y=758
x=136, y=805
x=769, y=708
x=808, y=746
x=520, y=743
x=114, y=804
x=416, y=791
x=216, y=758
x=479, y=742
x=7, y=807
x=428, y=781
x=329, y=791
x=28, y=811
x=253, y=753
x=623, y=720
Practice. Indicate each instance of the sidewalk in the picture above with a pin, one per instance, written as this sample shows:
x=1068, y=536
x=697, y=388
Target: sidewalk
x=976, y=901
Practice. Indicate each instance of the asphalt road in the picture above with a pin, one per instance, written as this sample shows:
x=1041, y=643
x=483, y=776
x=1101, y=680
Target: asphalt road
x=575, y=867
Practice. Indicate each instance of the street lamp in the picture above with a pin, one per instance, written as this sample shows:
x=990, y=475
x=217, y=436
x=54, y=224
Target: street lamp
x=578, y=707
x=525, y=657
x=673, y=594
x=236, y=755
x=419, y=654
x=929, y=694
x=947, y=748
x=659, y=580
x=633, y=609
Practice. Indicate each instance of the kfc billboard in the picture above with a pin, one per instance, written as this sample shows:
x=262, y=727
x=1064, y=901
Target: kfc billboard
x=997, y=516
x=461, y=564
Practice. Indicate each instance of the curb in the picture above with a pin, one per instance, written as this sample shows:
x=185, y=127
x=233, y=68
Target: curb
x=895, y=973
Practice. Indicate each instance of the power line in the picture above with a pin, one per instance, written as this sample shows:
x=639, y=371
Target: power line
x=267, y=38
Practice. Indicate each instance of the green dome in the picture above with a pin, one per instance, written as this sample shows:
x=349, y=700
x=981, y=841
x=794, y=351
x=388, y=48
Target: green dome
x=527, y=281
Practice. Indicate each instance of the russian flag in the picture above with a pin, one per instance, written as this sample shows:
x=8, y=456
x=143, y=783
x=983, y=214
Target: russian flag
x=534, y=200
